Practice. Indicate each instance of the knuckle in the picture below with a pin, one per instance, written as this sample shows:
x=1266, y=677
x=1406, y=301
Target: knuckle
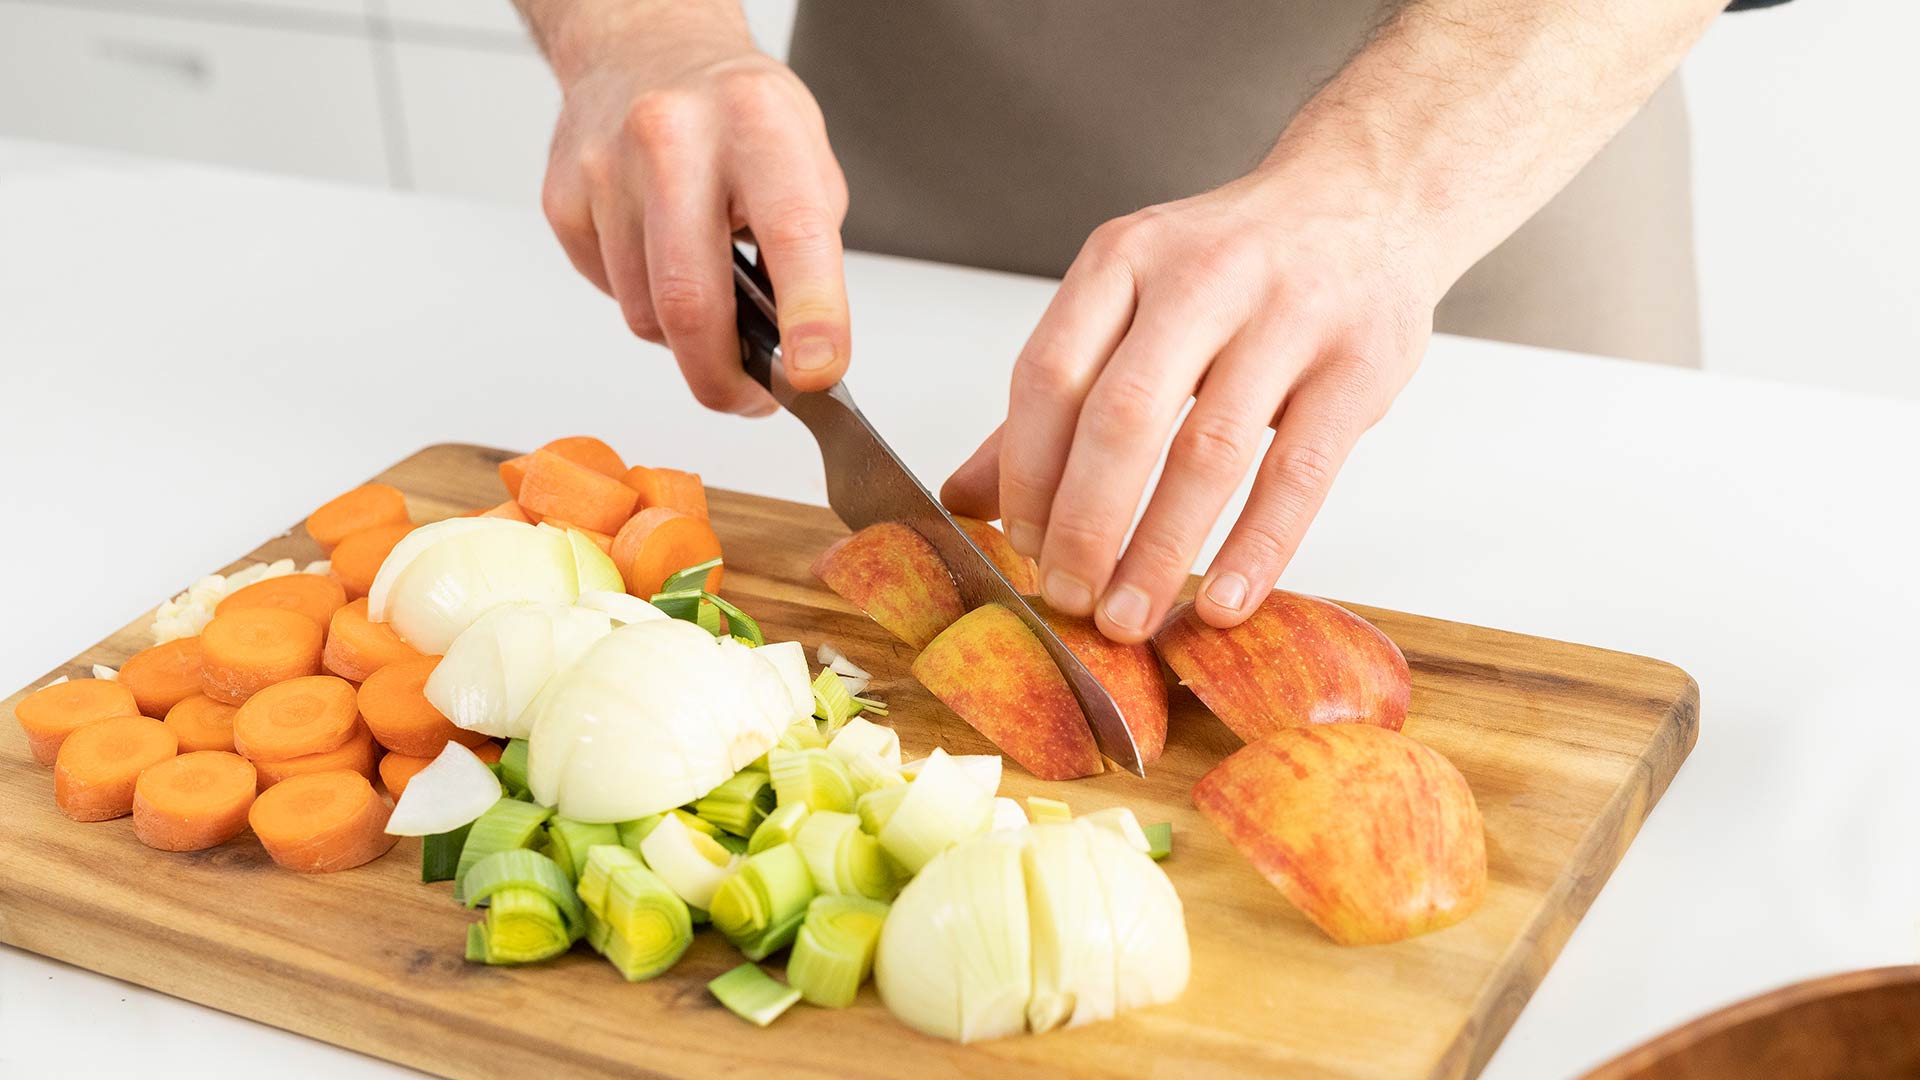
x=681, y=304
x=568, y=214
x=595, y=163
x=1077, y=532
x=715, y=396
x=1123, y=404
x=1213, y=445
x=659, y=117
x=1045, y=374
x=1262, y=548
x=1159, y=554
x=750, y=89
x=800, y=225
x=1304, y=469
x=1022, y=483
x=640, y=320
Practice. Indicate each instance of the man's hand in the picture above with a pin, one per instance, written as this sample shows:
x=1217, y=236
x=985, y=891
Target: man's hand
x=1289, y=300
x=675, y=134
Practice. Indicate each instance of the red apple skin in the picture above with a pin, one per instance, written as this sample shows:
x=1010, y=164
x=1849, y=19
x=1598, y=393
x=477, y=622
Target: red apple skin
x=893, y=574
x=1129, y=672
x=994, y=674
x=1015, y=567
x=1372, y=835
x=1297, y=660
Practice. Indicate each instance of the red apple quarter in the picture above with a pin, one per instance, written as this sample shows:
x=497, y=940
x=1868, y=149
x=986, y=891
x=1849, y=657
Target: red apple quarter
x=893, y=574
x=991, y=671
x=1129, y=672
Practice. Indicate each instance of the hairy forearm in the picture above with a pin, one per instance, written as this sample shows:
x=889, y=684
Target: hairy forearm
x=1466, y=116
x=575, y=34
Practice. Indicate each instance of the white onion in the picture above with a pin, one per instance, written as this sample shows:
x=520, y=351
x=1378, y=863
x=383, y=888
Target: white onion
x=670, y=852
x=837, y=660
x=954, y=958
x=497, y=666
x=623, y=607
x=984, y=769
x=1007, y=816
x=412, y=545
x=593, y=569
x=459, y=578
x=862, y=736
x=1121, y=822
x=653, y=716
x=454, y=789
x=789, y=660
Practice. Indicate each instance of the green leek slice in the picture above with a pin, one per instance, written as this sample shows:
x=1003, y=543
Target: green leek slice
x=692, y=577
x=513, y=767
x=708, y=618
x=440, y=854
x=814, y=777
x=740, y=624
x=778, y=827
x=832, y=702
x=568, y=842
x=869, y=773
x=507, y=824
x=876, y=807
x=600, y=864
x=522, y=926
x=650, y=928
x=760, y=907
x=753, y=995
x=843, y=860
x=739, y=803
x=833, y=952
x=635, y=831
x=520, y=870
x=861, y=735
x=872, y=705
x=1159, y=839
x=804, y=735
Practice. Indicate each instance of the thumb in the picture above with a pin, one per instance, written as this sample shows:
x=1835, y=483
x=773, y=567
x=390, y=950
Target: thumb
x=974, y=488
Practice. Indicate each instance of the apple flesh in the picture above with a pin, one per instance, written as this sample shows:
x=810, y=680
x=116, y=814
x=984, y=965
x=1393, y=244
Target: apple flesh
x=1129, y=672
x=1015, y=567
x=994, y=674
x=1372, y=835
x=1297, y=660
x=893, y=574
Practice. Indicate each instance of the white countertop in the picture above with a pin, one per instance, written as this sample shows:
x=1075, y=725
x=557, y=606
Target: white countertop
x=191, y=358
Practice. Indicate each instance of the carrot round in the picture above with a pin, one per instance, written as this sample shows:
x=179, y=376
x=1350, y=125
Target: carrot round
x=51, y=713
x=600, y=540
x=246, y=651
x=397, y=769
x=670, y=488
x=322, y=821
x=657, y=542
x=394, y=702
x=513, y=472
x=362, y=508
x=296, y=718
x=317, y=596
x=358, y=558
x=509, y=510
x=201, y=723
x=163, y=676
x=557, y=487
x=359, y=754
x=95, y=771
x=591, y=452
x=357, y=647
x=193, y=802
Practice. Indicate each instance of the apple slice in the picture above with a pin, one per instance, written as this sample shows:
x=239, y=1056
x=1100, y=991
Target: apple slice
x=1372, y=835
x=1017, y=568
x=893, y=574
x=992, y=672
x=1297, y=660
x=1129, y=672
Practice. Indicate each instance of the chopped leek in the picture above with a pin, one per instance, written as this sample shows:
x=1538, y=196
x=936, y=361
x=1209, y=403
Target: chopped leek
x=1042, y=810
x=831, y=701
x=649, y=927
x=804, y=735
x=635, y=831
x=814, y=777
x=761, y=906
x=520, y=869
x=753, y=995
x=691, y=577
x=872, y=705
x=682, y=604
x=1159, y=839
x=695, y=822
x=738, y=804
x=833, y=953
x=691, y=863
x=779, y=827
x=568, y=842
x=601, y=862
x=869, y=773
x=440, y=854
x=735, y=844
x=507, y=824
x=876, y=807
x=513, y=767
x=532, y=910
x=862, y=736
x=943, y=806
x=842, y=860
x=708, y=618
x=740, y=624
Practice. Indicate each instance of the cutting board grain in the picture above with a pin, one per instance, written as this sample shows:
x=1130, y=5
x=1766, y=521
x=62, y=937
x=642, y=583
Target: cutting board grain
x=1567, y=749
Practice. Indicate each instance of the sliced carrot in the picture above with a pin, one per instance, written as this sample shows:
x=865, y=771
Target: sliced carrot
x=296, y=718
x=358, y=558
x=202, y=723
x=591, y=452
x=670, y=488
x=51, y=713
x=193, y=802
x=396, y=770
x=317, y=596
x=358, y=754
x=509, y=510
x=163, y=676
x=657, y=543
x=246, y=651
x=556, y=487
x=600, y=540
x=357, y=646
x=362, y=508
x=394, y=702
x=512, y=472
x=321, y=822
x=95, y=771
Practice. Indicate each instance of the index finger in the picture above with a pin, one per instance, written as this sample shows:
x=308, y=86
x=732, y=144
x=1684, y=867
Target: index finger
x=798, y=234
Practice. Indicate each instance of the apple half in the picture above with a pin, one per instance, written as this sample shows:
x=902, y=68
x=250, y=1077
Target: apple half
x=1372, y=835
x=994, y=674
x=1297, y=660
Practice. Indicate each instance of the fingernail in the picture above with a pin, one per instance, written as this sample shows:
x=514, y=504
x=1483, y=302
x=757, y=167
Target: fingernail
x=1024, y=537
x=1228, y=591
x=811, y=354
x=1068, y=593
x=1127, y=607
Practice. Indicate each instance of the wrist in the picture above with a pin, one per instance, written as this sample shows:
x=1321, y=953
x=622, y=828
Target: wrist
x=654, y=36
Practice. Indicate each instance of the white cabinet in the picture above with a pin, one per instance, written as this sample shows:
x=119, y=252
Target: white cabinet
x=494, y=15
x=240, y=94
x=477, y=121
x=353, y=9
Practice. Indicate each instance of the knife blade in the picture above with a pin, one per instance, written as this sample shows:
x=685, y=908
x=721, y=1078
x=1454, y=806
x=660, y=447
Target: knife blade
x=867, y=483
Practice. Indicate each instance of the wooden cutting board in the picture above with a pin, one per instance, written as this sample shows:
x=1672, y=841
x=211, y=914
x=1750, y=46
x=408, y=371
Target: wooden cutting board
x=1566, y=747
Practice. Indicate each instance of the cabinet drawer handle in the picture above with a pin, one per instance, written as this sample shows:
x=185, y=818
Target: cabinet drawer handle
x=181, y=63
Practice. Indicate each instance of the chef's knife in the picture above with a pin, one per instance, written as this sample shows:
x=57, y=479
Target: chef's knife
x=867, y=484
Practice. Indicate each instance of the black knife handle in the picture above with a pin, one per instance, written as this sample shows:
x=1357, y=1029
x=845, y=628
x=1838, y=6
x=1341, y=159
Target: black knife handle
x=755, y=316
